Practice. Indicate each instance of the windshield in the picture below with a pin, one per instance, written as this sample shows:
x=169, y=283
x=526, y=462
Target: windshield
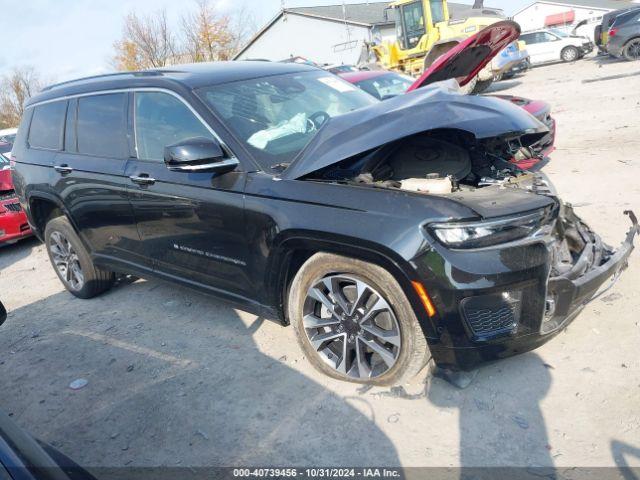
x=386, y=86
x=558, y=32
x=276, y=117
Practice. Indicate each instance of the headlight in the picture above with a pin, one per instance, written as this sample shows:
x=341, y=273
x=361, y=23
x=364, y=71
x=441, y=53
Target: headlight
x=486, y=234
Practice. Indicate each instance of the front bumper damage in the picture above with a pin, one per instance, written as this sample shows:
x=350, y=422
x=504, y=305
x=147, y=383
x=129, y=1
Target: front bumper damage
x=566, y=297
x=587, y=48
x=519, y=307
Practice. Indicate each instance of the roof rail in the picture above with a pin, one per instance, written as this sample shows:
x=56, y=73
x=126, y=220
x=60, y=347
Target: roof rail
x=142, y=73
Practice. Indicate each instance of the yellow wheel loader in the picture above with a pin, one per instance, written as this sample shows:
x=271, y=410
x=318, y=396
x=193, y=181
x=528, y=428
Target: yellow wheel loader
x=425, y=31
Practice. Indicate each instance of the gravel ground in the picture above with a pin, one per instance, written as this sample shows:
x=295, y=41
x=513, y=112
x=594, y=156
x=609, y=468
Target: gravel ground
x=179, y=379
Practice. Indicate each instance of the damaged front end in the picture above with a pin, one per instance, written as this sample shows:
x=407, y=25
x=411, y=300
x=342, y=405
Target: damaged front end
x=509, y=278
x=582, y=264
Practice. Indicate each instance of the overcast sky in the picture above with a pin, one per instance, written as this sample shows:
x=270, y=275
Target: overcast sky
x=64, y=39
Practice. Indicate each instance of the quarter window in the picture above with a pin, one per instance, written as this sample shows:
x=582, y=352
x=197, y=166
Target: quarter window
x=102, y=125
x=162, y=120
x=46, y=125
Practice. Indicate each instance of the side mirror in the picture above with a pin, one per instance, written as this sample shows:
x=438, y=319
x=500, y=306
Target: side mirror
x=198, y=155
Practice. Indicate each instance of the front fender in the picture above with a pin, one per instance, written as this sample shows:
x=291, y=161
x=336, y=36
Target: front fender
x=278, y=271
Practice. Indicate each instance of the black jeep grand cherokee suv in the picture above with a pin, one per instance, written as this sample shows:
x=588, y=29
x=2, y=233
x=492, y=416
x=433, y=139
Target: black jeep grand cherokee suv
x=385, y=232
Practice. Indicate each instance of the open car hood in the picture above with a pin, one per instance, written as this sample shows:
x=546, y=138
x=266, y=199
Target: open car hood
x=436, y=107
x=464, y=61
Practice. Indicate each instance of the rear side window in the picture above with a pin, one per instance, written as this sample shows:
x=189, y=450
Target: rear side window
x=46, y=126
x=626, y=18
x=529, y=39
x=162, y=120
x=101, y=125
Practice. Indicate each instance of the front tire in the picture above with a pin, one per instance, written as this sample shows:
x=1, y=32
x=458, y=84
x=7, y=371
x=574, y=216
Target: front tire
x=72, y=263
x=569, y=54
x=354, y=322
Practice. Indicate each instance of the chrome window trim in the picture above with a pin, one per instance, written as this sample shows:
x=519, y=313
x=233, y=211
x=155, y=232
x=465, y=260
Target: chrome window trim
x=142, y=89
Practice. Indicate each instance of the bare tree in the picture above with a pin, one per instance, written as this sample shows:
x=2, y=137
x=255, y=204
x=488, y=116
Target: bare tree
x=243, y=26
x=207, y=34
x=15, y=89
x=147, y=42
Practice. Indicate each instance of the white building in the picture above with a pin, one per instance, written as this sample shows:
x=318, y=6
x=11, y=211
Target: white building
x=567, y=15
x=330, y=34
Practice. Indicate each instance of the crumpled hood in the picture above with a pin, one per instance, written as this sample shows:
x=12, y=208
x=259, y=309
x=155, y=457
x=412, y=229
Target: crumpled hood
x=434, y=107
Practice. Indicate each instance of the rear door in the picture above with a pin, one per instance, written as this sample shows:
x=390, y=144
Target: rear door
x=191, y=225
x=89, y=175
x=551, y=45
x=540, y=47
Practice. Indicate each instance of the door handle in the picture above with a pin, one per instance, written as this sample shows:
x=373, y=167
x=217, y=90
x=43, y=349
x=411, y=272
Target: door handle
x=142, y=179
x=63, y=169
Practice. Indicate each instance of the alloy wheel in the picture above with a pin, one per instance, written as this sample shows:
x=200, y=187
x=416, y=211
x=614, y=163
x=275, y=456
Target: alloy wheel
x=633, y=50
x=351, y=327
x=570, y=54
x=66, y=261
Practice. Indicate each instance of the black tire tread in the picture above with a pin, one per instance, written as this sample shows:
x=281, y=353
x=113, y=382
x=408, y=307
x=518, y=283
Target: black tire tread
x=625, y=50
x=97, y=280
x=409, y=364
x=570, y=47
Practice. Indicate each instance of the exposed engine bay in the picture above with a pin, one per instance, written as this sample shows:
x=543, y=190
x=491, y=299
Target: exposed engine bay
x=451, y=162
x=440, y=163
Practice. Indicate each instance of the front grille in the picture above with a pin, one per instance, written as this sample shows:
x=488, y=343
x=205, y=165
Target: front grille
x=492, y=315
x=12, y=207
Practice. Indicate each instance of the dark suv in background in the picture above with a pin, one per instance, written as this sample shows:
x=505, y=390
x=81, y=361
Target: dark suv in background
x=385, y=232
x=624, y=36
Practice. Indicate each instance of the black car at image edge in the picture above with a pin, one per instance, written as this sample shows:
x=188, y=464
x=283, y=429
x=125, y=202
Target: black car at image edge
x=386, y=233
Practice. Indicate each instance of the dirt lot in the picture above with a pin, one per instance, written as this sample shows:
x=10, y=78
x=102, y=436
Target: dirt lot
x=179, y=379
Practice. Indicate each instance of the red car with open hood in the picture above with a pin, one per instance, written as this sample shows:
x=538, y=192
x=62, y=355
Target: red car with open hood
x=463, y=63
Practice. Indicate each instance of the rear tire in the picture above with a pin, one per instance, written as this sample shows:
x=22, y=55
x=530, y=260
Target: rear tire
x=631, y=51
x=71, y=261
x=375, y=310
x=569, y=54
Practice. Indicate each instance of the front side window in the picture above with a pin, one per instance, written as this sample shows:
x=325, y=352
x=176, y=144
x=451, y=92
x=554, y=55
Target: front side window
x=276, y=117
x=101, y=125
x=386, y=86
x=162, y=120
x=46, y=126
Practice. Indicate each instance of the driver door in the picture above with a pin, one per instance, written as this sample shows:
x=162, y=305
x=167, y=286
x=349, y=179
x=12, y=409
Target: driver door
x=191, y=224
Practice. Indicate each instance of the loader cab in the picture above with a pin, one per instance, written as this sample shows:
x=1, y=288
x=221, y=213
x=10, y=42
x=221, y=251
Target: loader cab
x=417, y=18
